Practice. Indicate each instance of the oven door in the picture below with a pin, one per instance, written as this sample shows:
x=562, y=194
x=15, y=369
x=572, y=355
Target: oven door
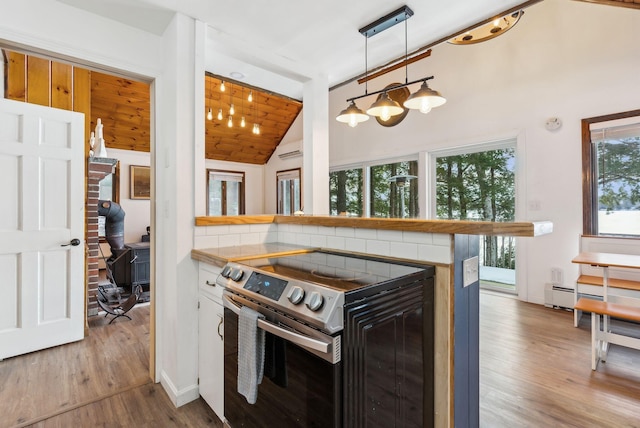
x=300, y=387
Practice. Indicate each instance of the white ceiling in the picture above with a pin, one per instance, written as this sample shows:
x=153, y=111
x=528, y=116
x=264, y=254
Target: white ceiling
x=295, y=40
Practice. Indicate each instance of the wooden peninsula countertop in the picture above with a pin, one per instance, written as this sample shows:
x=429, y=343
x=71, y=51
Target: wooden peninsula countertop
x=523, y=228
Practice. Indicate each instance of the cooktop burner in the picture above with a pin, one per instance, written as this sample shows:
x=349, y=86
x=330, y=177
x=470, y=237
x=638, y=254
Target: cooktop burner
x=336, y=271
x=312, y=287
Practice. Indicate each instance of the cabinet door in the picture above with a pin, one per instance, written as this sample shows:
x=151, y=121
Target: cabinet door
x=211, y=354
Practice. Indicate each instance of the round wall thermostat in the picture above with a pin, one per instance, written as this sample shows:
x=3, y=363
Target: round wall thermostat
x=553, y=123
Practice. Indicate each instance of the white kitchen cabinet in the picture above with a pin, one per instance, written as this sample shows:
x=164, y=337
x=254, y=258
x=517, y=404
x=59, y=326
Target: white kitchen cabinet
x=211, y=339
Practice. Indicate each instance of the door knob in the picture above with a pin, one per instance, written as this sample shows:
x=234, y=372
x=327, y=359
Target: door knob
x=74, y=243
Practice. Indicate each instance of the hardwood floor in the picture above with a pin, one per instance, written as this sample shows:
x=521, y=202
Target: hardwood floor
x=102, y=380
x=535, y=371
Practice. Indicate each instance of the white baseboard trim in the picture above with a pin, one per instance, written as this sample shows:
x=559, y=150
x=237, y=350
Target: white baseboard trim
x=181, y=397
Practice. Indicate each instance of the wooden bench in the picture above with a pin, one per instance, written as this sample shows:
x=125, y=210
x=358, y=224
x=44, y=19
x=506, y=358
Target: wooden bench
x=601, y=337
x=592, y=285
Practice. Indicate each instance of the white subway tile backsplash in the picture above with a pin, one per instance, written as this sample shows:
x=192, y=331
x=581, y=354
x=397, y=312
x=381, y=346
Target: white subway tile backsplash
x=377, y=247
x=271, y=236
x=303, y=239
x=201, y=242
x=389, y=235
x=417, y=237
x=217, y=230
x=366, y=234
x=250, y=239
x=347, y=232
x=336, y=242
x=405, y=250
x=310, y=230
x=443, y=239
x=200, y=231
x=295, y=228
x=435, y=253
x=240, y=228
x=230, y=240
x=318, y=241
x=259, y=228
x=326, y=231
x=355, y=244
x=287, y=237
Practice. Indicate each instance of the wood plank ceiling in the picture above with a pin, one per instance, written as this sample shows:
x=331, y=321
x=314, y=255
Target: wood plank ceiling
x=273, y=113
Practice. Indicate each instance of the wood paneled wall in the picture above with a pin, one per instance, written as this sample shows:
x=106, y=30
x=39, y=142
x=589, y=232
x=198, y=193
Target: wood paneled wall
x=40, y=81
x=124, y=105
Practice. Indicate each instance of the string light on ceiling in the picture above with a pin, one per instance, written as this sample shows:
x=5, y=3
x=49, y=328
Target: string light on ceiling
x=209, y=112
x=384, y=108
x=229, y=117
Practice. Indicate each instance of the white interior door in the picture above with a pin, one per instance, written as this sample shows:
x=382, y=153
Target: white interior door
x=41, y=212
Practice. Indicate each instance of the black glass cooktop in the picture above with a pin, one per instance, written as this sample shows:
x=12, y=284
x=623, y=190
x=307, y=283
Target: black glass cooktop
x=332, y=270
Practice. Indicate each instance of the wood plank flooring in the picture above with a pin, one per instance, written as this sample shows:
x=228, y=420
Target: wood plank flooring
x=102, y=380
x=535, y=371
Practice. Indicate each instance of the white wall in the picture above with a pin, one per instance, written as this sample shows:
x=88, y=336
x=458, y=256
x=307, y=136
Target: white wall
x=567, y=59
x=137, y=211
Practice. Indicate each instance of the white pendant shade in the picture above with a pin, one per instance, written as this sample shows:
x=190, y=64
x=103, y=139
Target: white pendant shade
x=352, y=115
x=385, y=107
x=424, y=99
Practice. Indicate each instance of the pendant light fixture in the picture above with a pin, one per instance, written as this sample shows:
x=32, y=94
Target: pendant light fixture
x=250, y=97
x=242, y=122
x=384, y=108
x=208, y=85
x=222, y=88
x=232, y=110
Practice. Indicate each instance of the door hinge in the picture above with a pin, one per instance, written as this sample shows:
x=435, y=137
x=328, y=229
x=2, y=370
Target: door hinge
x=198, y=304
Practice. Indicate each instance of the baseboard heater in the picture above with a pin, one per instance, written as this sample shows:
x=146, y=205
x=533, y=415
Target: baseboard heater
x=558, y=297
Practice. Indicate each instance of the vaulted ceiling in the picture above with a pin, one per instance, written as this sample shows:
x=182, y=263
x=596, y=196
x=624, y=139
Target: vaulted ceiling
x=273, y=114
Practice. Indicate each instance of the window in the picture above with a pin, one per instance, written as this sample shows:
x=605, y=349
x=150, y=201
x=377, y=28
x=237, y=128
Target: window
x=225, y=192
x=611, y=172
x=480, y=185
x=345, y=192
x=288, y=191
x=394, y=190
x=375, y=190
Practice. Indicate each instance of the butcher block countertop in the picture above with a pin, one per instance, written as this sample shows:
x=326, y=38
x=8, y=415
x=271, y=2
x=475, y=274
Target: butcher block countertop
x=523, y=228
x=220, y=256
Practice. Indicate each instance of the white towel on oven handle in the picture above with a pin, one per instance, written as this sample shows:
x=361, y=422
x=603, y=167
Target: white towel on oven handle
x=250, y=353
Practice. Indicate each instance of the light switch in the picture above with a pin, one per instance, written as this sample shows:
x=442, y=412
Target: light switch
x=470, y=271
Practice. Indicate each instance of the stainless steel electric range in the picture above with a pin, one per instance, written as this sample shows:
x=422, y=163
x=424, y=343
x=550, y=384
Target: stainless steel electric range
x=349, y=341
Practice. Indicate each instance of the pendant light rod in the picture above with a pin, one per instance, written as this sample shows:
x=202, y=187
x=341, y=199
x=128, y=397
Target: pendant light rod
x=392, y=88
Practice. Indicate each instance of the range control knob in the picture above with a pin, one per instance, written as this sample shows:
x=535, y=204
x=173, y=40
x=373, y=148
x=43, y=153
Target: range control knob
x=236, y=274
x=226, y=271
x=315, y=301
x=296, y=295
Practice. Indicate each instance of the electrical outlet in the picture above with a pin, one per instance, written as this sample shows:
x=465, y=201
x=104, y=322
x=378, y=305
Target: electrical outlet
x=470, y=271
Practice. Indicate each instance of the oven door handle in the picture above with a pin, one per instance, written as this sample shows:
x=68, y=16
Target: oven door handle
x=297, y=338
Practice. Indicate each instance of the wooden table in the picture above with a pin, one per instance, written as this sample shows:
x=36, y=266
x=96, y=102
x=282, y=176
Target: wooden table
x=605, y=261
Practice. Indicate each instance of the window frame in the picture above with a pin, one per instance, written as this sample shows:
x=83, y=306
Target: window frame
x=241, y=193
x=589, y=171
x=366, y=179
x=279, y=200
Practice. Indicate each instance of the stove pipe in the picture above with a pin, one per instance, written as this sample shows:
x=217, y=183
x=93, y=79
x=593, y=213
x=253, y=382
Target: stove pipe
x=114, y=224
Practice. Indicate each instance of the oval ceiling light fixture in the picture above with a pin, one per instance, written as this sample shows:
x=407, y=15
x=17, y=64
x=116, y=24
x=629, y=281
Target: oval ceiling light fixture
x=488, y=30
x=237, y=75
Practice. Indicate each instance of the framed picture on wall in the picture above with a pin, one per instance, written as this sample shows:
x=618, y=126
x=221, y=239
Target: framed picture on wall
x=140, y=180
